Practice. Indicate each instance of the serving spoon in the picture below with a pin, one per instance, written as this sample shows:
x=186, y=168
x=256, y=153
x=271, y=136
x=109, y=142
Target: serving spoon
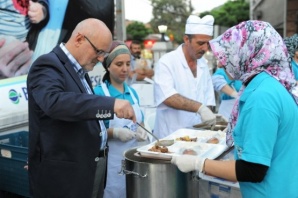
x=158, y=142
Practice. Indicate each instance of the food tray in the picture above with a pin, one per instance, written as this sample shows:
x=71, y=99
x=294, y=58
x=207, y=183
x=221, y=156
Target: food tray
x=201, y=148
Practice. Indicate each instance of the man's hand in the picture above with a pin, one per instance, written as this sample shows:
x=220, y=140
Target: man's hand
x=149, y=73
x=207, y=116
x=123, y=109
x=15, y=58
x=141, y=74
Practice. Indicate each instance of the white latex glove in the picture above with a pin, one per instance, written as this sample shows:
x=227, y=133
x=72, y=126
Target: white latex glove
x=234, y=94
x=187, y=163
x=123, y=134
x=207, y=116
x=141, y=134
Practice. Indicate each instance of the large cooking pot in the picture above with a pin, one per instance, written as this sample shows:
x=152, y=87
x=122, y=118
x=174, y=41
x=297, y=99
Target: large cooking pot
x=153, y=178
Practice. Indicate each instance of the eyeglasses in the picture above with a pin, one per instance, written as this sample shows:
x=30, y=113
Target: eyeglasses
x=99, y=52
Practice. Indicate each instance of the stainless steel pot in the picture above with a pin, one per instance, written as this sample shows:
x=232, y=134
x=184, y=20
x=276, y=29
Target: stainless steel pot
x=153, y=178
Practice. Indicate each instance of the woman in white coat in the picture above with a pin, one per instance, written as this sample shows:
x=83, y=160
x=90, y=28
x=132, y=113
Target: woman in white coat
x=123, y=134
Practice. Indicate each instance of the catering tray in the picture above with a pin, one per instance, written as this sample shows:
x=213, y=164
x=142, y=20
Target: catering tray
x=200, y=146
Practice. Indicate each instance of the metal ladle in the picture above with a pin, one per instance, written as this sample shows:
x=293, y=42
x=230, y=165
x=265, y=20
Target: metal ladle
x=158, y=142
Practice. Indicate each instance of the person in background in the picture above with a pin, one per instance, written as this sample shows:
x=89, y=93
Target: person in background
x=292, y=46
x=264, y=121
x=228, y=89
x=139, y=69
x=67, y=137
x=295, y=64
x=183, y=86
x=123, y=134
x=20, y=23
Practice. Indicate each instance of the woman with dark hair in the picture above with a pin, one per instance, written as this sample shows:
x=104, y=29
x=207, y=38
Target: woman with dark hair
x=122, y=133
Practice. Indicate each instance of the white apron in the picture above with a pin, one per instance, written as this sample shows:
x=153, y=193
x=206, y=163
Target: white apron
x=168, y=120
x=173, y=75
x=225, y=108
x=116, y=186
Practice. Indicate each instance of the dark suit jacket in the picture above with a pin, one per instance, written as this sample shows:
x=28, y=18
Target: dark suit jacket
x=63, y=129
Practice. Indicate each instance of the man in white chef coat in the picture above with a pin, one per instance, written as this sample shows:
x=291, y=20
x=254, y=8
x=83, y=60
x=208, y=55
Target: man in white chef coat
x=183, y=86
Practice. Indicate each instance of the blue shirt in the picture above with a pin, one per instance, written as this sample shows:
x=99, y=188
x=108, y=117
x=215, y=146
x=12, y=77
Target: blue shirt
x=267, y=133
x=117, y=94
x=220, y=79
x=295, y=69
x=81, y=73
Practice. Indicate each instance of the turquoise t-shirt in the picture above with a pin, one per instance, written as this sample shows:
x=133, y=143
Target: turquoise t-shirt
x=236, y=84
x=117, y=94
x=267, y=133
x=295, y=69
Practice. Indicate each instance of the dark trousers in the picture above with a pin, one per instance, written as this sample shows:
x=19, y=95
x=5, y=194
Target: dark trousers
x=98, y=187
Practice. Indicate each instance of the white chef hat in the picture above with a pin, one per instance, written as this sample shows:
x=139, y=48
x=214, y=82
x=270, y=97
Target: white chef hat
x=197, y=25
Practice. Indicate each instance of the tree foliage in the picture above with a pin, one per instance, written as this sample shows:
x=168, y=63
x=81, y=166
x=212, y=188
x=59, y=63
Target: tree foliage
x=137, y=31
x=230, y=14
x=172, y=13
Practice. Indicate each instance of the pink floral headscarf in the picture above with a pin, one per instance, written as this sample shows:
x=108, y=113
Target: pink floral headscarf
x=248, y=49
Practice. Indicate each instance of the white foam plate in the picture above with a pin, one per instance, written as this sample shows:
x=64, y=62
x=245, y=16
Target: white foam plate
x=201, y=148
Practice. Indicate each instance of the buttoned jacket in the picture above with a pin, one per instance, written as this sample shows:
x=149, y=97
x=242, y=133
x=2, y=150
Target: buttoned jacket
x=63, y=128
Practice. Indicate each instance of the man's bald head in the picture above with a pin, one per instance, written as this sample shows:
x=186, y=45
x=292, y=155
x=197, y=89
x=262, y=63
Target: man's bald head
x=89, y=36
x=92, y=26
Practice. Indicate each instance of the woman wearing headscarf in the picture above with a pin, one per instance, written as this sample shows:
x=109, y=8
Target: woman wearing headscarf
x=123, y=134
x=264, y=120
x=292, y=46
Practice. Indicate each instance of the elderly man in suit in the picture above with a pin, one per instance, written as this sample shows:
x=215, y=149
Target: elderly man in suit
x=67, y=138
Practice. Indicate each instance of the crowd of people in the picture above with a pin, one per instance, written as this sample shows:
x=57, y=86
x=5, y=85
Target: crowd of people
x=78, y=133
